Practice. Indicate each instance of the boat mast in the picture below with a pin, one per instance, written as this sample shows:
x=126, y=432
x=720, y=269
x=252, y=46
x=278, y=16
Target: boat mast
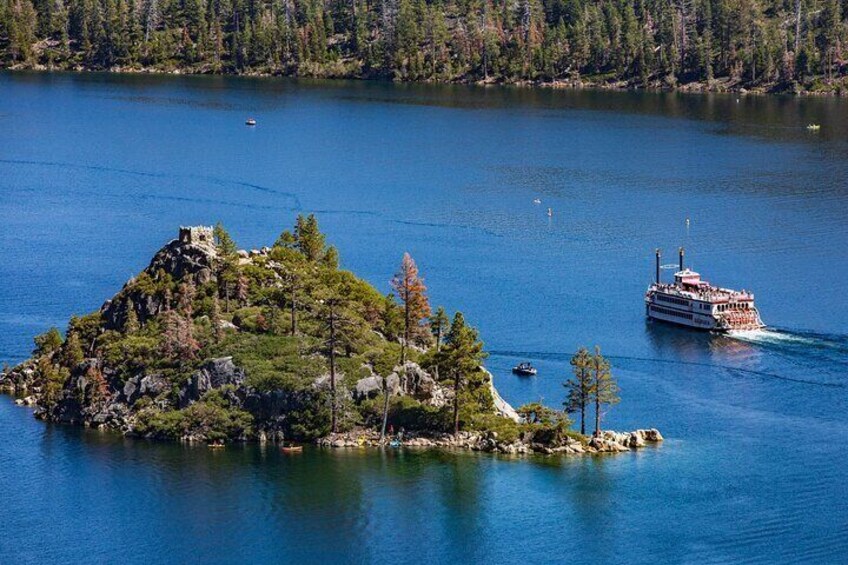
x=681, y=252
x=658, y=265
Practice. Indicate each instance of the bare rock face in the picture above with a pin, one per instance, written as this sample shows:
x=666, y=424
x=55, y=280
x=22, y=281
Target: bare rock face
x=417, y=383
x=180, y=260
x=610, y=441
x=215, y=373
x=18, y=380
x=144, y=385
x=502, y=407
x=370, y=387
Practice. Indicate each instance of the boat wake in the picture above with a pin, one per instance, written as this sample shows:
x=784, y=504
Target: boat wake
x=796, y=340
x=729, y=369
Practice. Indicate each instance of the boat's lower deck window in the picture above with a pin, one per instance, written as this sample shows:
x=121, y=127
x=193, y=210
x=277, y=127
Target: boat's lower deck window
x=669, y=312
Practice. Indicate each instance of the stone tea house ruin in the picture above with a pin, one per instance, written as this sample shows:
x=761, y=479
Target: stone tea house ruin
x=202, y=236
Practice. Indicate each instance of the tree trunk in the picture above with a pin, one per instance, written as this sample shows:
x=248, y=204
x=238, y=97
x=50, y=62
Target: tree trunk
x=438, y=349
x=334, y=421
x=385, y=409
x=293, y=313
x=583, y=417
x=405, y=331
x=597, y=414
x=456, y=405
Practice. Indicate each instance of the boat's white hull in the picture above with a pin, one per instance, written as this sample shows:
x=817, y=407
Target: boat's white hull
x=696, y=320
x=688, y=319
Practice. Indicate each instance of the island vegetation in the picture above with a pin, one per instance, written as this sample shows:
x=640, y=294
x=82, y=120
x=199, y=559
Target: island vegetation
x=775, y=45
x=214, y=344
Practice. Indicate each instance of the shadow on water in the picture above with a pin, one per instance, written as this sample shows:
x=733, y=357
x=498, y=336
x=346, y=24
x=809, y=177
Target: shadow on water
x=778, y=118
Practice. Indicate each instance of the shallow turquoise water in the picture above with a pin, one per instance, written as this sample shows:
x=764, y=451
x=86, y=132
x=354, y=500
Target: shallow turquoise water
x=97, y=171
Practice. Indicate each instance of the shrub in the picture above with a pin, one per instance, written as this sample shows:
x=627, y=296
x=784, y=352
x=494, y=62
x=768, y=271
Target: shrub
x=506, y=429
x=206, y=419
x=408, y=413
x=272, y=362
x=246, y=318
x=47, y=343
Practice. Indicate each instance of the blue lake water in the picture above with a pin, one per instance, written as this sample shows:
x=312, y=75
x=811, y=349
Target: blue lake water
x=97, y=172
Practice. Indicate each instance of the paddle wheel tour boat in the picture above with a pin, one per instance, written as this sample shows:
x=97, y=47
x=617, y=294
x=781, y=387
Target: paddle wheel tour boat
x=695, y=303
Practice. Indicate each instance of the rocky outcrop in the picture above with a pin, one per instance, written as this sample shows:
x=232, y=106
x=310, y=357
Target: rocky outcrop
x=144, y=385
x=608, y=442
x=502, y=406
x=417, y=383
x=184, y=260
x=180, y=260
x=18, y=381
x=371, y=387
x=215, y=373
x=406, y=380
x=614, y=441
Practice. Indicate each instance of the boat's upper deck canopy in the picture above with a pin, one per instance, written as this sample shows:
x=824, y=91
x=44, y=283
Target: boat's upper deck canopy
x=688, y=284
x=689, y=277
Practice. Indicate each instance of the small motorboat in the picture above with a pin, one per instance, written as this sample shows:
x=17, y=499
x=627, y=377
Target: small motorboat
x=537, y=201
x=216, y=444
x=524, y=370
x=291, y=448
x=550, y=212
x=813, y=127
x=250, y=122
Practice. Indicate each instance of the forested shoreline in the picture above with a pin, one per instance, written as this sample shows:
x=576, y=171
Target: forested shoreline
x=768, y=45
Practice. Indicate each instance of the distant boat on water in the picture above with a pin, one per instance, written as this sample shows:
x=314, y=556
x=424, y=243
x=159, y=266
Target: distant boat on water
x=813, y=127
x=537, y=201
x=524, y=370
x=250, y=122
x=550, y=212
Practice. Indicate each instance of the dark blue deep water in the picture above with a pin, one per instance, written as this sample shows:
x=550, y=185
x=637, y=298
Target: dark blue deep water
x=97, y=172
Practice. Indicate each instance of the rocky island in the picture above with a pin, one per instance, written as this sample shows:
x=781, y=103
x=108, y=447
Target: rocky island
x=215, y=344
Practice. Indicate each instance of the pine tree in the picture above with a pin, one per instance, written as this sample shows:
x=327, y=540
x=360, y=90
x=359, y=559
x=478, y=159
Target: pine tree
x=416, y=308
x=72, y=354
x=580, y=388
x=308, y=237
x=461, y=357
x=131, y=324
x=331, y=258
x=292, y=281
x=47, y=343
x=215, y=320
x=343, y=331
x=99, y=388
x=21, y=32
x=226, y=246
x=242, y=289
x=187, y=292
x=52, y=379
x=604, y=391
x=178, y=343
x=439, y=324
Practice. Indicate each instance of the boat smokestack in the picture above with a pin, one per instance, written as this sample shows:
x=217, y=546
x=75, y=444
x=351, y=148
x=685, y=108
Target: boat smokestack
x=681, y=258
x=658, y=265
